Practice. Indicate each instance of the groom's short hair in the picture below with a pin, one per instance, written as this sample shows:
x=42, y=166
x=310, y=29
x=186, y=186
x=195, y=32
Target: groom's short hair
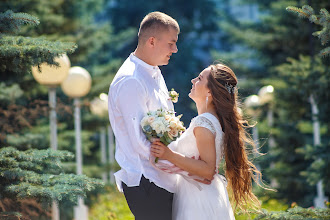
x=155, y=23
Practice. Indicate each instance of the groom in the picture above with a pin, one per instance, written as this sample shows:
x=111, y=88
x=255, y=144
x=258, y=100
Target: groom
x=137, y=88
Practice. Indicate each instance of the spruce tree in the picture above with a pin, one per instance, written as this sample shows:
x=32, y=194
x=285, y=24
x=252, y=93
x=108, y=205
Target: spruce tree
x=29, y=174
x=322, y=19
x=74, y=21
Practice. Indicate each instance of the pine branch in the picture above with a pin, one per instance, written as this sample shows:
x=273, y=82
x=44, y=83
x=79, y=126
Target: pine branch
x=34, y=174
x=11, y=22
x=300, y=12
x=294, y=213
x=18, y=54
x=323, y=19
x=325, y=52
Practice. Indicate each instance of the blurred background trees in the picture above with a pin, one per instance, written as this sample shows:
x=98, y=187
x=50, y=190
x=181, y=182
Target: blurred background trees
x=262, y=42
x=284, y=53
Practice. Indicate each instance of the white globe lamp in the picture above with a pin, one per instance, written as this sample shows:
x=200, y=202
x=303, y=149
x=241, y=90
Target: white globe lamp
x=252, y=102
x=51, y=75
x=266, y=94
x=76, y=85
x=99, y=105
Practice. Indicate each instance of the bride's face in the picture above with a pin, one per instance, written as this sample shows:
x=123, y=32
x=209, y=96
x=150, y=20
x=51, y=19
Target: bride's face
x=199, y=89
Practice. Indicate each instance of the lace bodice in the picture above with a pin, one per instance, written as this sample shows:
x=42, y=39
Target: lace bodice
x=202, y=121
x=186, y=144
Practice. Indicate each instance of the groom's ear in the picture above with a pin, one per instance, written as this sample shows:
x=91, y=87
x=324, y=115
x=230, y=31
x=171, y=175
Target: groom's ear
x=151, y=41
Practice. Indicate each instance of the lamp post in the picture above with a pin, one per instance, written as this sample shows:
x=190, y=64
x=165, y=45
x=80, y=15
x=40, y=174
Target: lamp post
x=266, y=95
x=111, y=153
x=76, y=85
x=252, y=104
x=320, y=198
x=52, y=76
x=99, y=106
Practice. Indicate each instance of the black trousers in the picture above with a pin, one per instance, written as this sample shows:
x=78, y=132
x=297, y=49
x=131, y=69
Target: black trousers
x=148, y=201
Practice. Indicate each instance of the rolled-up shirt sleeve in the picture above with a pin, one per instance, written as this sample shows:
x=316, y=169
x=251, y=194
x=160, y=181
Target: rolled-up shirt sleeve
x=131, y=101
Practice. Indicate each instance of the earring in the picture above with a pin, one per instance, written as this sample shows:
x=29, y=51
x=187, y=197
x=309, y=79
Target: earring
x=207, y=100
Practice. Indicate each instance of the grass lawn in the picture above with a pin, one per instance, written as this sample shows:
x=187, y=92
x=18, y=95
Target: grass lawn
x=112, y=206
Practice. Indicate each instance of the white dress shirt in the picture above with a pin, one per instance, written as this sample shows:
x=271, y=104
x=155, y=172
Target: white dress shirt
x=136, y=89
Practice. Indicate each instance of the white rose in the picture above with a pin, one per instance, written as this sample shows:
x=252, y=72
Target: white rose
x=173, y=124
x=173, y=93
x=167, y=117
x=158, y=125
x=144, y=121
x=174, y=96
x=151, y=119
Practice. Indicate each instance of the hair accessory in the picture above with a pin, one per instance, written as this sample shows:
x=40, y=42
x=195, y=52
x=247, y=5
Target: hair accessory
x=230, y=88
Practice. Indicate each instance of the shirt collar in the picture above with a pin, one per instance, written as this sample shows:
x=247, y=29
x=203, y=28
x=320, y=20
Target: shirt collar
x=153, y=70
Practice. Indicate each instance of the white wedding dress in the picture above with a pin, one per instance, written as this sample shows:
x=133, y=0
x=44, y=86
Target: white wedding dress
x=197, y=201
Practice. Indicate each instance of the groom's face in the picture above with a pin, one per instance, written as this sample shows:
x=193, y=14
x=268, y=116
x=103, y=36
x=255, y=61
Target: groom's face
x=165, y=46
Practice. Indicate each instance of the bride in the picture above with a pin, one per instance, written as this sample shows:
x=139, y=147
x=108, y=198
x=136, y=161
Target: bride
x=217, y=132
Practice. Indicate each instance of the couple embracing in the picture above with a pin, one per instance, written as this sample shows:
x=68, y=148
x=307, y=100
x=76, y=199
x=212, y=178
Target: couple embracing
x=216, y=133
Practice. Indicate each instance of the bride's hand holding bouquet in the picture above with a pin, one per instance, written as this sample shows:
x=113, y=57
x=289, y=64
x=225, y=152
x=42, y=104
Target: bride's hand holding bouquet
x=163, y=125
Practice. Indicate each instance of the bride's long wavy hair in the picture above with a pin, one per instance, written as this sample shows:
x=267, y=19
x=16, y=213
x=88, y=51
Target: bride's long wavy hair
x=239, y=170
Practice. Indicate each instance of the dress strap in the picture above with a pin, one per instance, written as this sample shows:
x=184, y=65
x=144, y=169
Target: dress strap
x=205, y=122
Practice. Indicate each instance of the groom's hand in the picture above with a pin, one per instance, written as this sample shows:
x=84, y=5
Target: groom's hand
x=204, y=181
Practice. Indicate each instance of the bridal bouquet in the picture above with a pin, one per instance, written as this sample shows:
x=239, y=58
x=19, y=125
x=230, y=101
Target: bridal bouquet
x=162, y=124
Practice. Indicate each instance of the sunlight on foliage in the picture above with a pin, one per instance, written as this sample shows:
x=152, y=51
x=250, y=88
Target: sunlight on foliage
x=110, y=206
